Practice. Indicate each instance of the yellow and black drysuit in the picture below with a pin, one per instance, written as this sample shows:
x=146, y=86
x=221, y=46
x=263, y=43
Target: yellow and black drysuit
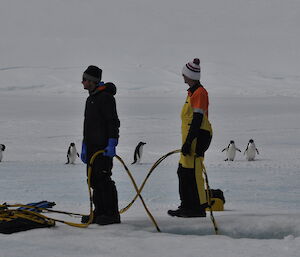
x=196, y=137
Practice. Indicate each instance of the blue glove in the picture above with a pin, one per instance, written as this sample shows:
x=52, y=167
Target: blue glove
x=83, y=155
x=110, y=150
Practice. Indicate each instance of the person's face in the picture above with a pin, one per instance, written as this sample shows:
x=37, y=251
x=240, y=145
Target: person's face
x=186, y=80
x=88, y=85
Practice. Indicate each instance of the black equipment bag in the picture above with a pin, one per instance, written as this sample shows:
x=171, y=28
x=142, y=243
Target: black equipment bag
x=12, y=221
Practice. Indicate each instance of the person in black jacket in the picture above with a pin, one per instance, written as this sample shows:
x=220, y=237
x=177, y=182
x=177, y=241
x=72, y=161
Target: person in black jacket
x=101, y=132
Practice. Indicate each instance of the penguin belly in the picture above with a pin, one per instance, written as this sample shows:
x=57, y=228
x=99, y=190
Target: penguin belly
x=231, y=153
x=73, y=155
x=250, y=153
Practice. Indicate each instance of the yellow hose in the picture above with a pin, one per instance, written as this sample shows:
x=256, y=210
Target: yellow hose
x=138, y=194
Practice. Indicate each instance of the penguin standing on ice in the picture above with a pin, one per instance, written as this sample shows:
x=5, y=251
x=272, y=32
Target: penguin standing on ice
x=72, y=154
x=230, y=151
x=2, y=148
x=251, y=151
x=138, y=152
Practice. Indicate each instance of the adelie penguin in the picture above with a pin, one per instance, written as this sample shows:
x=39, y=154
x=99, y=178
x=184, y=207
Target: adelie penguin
x=230, y=151
x=138, y=153
x=251, y=151
x=2, y=148
x=72, y=154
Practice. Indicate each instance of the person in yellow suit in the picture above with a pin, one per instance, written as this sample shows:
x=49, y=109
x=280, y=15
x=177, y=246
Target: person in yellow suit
x=196, y=133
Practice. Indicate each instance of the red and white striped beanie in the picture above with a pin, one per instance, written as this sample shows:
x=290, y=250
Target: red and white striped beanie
x=192, y=69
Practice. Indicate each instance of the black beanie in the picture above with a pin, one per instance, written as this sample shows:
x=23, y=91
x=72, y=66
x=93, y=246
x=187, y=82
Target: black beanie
x=92, y=73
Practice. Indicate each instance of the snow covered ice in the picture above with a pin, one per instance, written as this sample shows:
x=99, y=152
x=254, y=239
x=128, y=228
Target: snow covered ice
x=249, y=53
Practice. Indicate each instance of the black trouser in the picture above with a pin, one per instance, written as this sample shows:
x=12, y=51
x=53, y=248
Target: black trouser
x=105, y=195
x=188, y=189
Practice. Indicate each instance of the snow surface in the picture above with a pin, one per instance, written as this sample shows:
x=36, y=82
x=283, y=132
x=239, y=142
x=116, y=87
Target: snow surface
x=249, y=53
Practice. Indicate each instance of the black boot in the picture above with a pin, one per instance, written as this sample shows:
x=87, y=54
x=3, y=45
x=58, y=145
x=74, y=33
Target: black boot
x=109, y=201
x=183, y=213
x=107, y=220
x=85, y=219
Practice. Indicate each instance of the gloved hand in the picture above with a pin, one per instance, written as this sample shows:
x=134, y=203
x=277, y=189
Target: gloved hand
x=83, y=155
x=110, y=150
x=186, y=148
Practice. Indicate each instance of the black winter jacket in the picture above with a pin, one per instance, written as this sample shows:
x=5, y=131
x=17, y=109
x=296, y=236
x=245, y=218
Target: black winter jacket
x=101, y=120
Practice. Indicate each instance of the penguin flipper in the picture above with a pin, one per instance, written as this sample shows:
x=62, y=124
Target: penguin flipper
x=256, y=150
x=238, y=150
x=224, y=150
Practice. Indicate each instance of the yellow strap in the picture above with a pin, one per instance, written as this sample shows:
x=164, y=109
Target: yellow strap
x=209, y=201
x=138, y=194
x=199, y=179
x=28, y=215
x=126, y=208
